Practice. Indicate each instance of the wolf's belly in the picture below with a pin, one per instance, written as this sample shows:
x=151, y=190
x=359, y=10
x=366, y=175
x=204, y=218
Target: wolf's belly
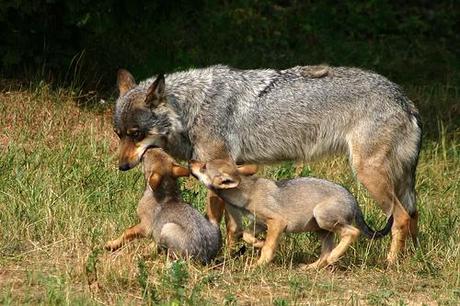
x=297, y=147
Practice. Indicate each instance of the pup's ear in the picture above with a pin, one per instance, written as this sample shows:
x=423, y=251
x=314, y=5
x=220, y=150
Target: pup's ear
x=179, y=171
x=225, y=181
x=247, y=169
x=154, y=180
x=195, y=164
x=156, y=91
x=125, y=81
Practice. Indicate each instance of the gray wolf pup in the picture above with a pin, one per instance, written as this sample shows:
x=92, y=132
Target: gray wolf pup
x=266, y=116
x=291, y=206
x=174, y=225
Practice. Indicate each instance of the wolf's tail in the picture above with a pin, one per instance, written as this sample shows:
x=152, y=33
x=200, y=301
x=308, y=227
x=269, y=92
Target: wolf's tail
x=367, y=230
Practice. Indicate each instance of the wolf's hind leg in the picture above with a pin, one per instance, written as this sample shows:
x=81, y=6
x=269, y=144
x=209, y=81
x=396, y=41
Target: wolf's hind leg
x=129, y=234
x=406, y=195
x=373, y=174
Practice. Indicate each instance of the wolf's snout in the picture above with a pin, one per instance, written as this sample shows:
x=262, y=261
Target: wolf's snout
x=124, y=167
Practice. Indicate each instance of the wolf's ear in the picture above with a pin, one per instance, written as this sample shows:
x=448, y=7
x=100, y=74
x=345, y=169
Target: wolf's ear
x=247, y=169
x=225, y=181
x=156, y=91
x=179, y=171
x=125, y=81
x=154, y=180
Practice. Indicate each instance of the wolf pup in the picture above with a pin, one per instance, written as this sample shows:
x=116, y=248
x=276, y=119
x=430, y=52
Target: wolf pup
x=297, y=205
x=266, y=116
x=173, y=224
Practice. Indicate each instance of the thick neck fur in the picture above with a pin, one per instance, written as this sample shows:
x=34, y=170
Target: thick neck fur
x=185, y=93
x=167, y=190
x=239, y=196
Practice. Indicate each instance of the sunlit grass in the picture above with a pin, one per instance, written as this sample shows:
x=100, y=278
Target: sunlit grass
x=61, y=198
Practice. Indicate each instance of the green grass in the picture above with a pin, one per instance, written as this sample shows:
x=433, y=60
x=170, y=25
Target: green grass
x=62, y=198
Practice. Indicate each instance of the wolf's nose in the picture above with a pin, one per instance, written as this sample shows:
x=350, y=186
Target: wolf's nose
x=124, y=167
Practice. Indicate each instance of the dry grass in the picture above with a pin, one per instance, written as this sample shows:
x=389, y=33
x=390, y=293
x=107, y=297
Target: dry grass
x=61, y=198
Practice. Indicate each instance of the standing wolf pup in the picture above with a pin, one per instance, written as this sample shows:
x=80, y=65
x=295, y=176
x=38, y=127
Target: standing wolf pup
x=173, y=224
x=266, y=116
x=291, y=206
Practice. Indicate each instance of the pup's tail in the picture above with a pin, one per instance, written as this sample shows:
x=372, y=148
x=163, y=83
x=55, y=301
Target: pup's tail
x=367, y=230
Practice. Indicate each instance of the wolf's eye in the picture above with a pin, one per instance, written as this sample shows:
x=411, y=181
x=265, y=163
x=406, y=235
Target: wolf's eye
x=135, y=134
x=117, y=132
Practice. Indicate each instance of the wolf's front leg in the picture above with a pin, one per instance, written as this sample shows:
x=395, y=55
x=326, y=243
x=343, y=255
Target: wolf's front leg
x=136, y=231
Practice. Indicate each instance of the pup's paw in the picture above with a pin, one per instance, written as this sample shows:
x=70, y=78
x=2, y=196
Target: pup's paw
x=313, y=266
x=252, y=240
x=263, y=260
x=259, y=244
x=112, y=245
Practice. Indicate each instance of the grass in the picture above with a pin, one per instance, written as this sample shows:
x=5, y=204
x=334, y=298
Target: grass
x=62, y=197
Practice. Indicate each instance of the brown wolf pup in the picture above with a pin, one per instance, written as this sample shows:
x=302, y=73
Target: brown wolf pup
x=174, y=225
x=297, y=205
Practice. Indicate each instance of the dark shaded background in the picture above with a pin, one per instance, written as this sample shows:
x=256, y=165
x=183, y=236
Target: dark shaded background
x=85, y=42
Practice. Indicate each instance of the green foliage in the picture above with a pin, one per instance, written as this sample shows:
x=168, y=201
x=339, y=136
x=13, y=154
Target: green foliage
x=280, y=302
x=149, y=292
x=407, y=41
x=175, y=279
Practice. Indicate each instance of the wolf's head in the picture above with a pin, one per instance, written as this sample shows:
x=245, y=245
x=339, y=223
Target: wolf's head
x=141, y=119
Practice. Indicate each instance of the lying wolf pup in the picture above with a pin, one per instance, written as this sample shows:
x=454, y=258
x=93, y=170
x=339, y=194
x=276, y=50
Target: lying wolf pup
x=297, y=205
x=173, y=224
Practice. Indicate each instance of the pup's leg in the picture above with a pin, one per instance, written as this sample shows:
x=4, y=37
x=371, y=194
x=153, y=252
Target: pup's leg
x=274, y=230
x=233, y=224
x=175, y=240
x=348, y=235
x=129, y=234
x=250, y=236
x=327, y=244
x=216, y=205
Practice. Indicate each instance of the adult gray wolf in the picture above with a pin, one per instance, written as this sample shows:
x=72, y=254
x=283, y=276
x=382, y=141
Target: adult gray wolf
x=174, y=225
x=266, y=116
x=291, y=206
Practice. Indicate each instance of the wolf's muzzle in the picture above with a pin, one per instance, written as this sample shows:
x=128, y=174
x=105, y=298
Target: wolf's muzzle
x=124, y=166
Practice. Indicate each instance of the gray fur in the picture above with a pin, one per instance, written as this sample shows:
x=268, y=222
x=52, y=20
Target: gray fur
x=173, y=224
x=309, y=204
x=192, y=235
x=291, y=206
x=266, y=116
